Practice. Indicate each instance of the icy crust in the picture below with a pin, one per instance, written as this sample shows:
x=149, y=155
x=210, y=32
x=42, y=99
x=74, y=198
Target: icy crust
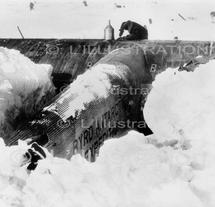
x=92, y=86
x=24, y=87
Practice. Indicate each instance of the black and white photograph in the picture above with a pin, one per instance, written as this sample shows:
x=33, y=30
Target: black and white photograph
x=107, y=103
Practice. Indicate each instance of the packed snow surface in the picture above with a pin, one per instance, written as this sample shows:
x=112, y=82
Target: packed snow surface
x=174, y=167
x=71, y=19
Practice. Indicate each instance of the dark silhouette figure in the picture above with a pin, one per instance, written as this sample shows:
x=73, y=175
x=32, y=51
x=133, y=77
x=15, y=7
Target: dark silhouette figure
x=136, y=31
x=85, y=3
x=33, y=155
x=31, y=5
x=117, y=5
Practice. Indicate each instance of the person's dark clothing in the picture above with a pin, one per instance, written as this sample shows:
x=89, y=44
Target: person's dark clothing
x=31, y=5
x=33, y=155
x=136, y=31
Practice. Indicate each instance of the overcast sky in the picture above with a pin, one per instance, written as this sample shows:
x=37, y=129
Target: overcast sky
x=71, y=19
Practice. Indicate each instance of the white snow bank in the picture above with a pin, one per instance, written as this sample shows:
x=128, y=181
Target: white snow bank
x=23, y=85
x=183, y=103
x=128, y=172
x=181, y=106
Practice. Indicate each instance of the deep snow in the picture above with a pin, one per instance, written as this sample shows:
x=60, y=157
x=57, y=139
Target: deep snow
x=134, y=170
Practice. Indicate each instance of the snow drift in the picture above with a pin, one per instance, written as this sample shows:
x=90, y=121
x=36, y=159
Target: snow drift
x=24, y=88
x=134, y=170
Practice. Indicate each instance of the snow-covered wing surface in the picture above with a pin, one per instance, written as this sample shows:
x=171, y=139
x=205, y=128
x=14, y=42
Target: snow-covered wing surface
x=90, y=108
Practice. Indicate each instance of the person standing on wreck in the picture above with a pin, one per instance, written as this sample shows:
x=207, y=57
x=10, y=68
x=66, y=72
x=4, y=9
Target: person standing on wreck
x=136, y=31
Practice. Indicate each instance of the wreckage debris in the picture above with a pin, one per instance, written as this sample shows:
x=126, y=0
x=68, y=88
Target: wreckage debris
x=191, y=18
x=119, y=6
x=181, y=16
x=212, y=14
x=85, y=3
x=31, y=6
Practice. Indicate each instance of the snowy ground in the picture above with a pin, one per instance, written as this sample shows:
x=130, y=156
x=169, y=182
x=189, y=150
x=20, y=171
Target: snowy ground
x=58, y=18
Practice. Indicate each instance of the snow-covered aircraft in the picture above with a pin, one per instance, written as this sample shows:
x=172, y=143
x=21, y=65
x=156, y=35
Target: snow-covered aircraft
x=101, y=103
x=107, y=99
